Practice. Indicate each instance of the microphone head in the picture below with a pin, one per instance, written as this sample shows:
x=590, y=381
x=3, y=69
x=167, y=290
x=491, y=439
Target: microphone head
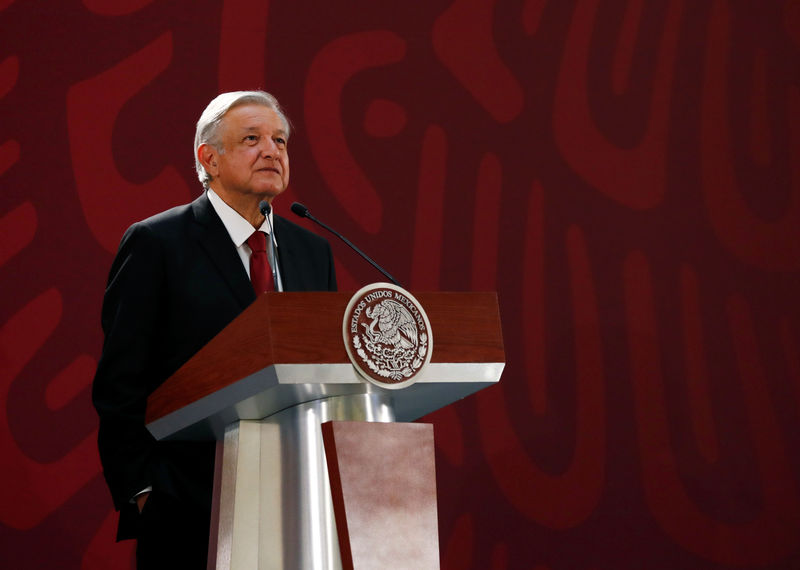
x=299, y=209
x=264, y=207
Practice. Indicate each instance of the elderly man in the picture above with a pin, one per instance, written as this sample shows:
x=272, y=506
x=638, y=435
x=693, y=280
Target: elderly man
x=177, y=280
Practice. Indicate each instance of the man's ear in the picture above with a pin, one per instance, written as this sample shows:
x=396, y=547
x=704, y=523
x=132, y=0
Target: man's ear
x=208, y=157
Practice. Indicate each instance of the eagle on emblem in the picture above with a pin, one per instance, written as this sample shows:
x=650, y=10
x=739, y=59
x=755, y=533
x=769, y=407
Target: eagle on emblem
x=395, y=325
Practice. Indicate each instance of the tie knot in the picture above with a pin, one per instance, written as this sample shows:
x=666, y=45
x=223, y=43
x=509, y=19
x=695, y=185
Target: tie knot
x=257, y=241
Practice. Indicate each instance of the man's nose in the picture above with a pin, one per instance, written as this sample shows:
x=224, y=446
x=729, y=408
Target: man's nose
x=269, y=147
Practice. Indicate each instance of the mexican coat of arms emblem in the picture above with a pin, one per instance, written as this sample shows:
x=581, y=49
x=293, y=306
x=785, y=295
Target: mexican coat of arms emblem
x=387, y=335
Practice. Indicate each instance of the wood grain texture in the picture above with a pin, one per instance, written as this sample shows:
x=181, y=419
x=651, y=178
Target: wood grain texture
x=383, y=485
x=306, y=328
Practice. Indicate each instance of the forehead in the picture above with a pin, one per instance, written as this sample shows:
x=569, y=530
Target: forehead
x=253, y=117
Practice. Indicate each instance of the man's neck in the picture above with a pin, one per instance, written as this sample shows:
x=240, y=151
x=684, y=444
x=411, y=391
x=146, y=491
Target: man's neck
x=247, y=206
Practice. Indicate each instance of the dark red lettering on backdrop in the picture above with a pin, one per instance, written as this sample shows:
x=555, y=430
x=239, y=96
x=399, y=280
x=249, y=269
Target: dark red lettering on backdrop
x=625, y=174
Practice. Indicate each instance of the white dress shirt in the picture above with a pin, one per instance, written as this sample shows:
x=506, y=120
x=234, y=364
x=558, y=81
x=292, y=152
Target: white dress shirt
x=240, y=229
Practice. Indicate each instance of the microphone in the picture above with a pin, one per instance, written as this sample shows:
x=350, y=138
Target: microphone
x=265, y=209
x=303, y=212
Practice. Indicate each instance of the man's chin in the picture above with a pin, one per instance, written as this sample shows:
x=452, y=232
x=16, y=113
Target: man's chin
x=270, y=193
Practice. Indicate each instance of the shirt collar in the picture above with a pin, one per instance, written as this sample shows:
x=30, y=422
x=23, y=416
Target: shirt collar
x=238, y=228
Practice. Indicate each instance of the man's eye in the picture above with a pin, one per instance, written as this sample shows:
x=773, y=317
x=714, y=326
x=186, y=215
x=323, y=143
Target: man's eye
x=280, y=140
x=251, y=139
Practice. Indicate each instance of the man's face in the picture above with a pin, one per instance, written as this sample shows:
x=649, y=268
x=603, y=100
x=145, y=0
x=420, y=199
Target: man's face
x=255, y=160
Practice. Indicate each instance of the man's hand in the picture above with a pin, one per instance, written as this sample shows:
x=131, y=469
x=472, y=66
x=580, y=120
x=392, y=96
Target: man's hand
x=141, y=500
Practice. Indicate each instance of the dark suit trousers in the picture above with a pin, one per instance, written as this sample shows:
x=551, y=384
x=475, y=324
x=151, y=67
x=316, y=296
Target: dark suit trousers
x=172, y=534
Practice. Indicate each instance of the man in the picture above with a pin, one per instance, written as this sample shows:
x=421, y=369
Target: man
x=177, y=280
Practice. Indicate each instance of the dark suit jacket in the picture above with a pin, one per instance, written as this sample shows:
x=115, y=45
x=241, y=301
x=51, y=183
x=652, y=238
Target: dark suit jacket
x=176, y=281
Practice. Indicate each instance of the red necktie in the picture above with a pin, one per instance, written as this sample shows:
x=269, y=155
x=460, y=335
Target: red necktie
x=260, y=271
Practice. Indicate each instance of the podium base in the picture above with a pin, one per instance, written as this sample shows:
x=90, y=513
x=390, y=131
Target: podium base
x=272, y=497
x=383, y=482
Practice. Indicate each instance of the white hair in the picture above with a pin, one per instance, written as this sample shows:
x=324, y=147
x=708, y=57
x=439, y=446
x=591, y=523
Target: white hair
x=208, y=125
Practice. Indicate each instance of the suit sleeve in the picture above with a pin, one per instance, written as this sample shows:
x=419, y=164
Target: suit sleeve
x=125, y=374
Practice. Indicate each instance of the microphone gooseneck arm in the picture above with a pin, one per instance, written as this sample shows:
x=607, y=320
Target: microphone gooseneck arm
x=302, y=211
x=265, y=209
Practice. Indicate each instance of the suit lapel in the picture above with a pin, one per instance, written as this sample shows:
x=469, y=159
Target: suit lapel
x=289, y=273
x=212, y=236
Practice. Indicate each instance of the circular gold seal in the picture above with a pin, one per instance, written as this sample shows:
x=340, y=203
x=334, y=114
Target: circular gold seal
x=387, y=335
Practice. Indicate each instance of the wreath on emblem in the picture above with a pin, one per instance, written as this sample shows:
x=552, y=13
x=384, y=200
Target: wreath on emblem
x=391, y=345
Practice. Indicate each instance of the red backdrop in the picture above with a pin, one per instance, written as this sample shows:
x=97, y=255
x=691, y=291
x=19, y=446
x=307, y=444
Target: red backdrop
x=626, y=174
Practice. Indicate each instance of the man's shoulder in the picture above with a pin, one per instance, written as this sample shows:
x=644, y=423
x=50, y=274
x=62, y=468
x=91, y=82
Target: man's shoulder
x=173, y=219
x=287, y=229
x=177, y=214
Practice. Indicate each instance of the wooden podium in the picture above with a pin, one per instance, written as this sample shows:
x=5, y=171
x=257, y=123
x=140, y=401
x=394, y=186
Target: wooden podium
x=264, y=387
